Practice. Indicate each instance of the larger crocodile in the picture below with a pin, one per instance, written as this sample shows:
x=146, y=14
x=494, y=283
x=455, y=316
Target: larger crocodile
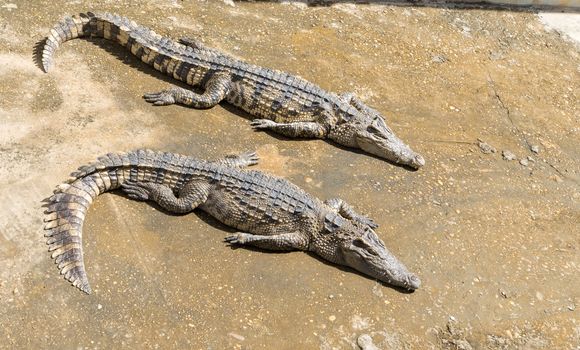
x=281, y=102
x=271, y=212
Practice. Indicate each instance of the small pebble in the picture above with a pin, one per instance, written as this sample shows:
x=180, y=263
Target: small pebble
x=485, y=147
x=535, y=149
x=10, y=7
x=439, y=59
x=495, y=55
x=508, y=155
x=236, y=336
x=365, y=342
x=99, y=306
x=332, y=318
x=524, y=162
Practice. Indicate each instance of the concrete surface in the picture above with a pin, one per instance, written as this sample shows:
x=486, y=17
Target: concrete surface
x=565, y=23
x=495, y=242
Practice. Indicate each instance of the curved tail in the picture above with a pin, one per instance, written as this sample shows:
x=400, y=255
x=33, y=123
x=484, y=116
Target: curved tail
x=66, y=210
x=141, y=41
x=69, y=28
x=67, y=207
x=63, y=224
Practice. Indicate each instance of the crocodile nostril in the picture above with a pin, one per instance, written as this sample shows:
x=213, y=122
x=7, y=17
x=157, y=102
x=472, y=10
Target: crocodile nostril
x=413, y=282
x=419, y=161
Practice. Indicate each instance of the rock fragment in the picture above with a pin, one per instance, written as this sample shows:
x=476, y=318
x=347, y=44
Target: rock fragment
x=485, y=147
x=508, y=155
x=365, y=342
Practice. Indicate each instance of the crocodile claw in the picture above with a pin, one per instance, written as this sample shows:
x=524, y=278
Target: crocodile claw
x=161, y=98
x=251, y=158
x=373, y=225
x=367, y=221
x=262, y=124
x=236, y=238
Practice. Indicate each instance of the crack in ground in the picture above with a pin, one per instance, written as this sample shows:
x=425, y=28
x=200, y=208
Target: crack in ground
x=506, y=109
x=491, y=83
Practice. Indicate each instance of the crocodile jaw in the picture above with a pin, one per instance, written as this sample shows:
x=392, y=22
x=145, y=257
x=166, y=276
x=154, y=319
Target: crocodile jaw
x=390, y=147
x=367, y=253
x=385, y=267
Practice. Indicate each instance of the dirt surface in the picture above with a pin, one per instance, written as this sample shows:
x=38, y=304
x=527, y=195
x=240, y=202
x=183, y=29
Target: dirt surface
x=495, y=242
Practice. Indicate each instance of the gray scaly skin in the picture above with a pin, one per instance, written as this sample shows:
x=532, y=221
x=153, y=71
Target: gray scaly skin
x=280, y=102
x=270, y=212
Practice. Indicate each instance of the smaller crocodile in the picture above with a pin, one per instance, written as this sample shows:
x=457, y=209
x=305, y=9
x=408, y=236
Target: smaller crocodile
x=279, y=101
x=270, y=212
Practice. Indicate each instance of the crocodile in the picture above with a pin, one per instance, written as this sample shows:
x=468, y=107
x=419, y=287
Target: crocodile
x=270, y=212
x=277, y=101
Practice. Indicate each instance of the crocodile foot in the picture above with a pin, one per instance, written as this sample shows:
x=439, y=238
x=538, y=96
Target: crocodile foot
x=259, y=124
x=237, y=238
x=366, y=221
x=249, y=158
x=161, y=98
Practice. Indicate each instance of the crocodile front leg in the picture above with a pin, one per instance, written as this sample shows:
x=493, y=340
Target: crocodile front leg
x=240, y=160
x=283, y=241
x=357, y=103
x=297, y=129
x=348, y=212
x=216, y=89
x=190, y=197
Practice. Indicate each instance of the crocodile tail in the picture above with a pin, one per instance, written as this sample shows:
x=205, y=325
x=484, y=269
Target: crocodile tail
x=141, y=41
x=64, y=218
x=69, y=28
x=67, y=207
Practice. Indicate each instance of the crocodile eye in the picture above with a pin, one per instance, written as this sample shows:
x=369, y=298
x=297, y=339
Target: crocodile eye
x=373, y=130
x=372, y=237
x=365, y=246
x=378, y=127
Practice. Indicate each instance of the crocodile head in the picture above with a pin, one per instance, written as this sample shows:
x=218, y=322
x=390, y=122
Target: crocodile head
x=378, y=139
x=366, y=129
x=360, y=248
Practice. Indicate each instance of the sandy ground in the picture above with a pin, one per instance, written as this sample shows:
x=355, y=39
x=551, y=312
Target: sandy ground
x=495, y=242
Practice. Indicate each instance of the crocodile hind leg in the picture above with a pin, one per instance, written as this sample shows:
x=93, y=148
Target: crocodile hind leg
x=196, y=44
x=193, y=43
x=239, y=160
x=216, y=89
x=190, y=197
x=348, y=212
x=283, y=241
